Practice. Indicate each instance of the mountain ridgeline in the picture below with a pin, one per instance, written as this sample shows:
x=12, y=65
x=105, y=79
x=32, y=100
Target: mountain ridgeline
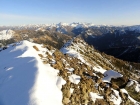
x=119, y=41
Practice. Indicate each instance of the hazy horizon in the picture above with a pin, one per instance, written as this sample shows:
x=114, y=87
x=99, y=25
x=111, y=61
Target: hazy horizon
x=23, y=12
x=14, y=25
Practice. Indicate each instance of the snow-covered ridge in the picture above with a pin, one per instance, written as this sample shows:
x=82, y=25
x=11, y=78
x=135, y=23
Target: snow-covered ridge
x=6, y=34
x=25, y=80
x=72, y=50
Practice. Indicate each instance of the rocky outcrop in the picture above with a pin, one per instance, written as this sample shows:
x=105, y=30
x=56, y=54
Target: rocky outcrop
x=90, y=81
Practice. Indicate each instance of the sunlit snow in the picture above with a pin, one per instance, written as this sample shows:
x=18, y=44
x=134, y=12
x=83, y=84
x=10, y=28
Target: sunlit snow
x=6, y=34
x=111, y=74
x=25, y=80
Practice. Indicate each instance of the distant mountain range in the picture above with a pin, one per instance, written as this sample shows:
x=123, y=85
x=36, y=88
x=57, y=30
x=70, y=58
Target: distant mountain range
x=63, y=27
x=120, y=41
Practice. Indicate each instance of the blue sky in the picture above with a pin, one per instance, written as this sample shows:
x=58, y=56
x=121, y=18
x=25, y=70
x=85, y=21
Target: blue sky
x=110, y=12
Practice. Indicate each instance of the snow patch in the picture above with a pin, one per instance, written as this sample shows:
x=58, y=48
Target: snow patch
x=115, y=98
x=74, y=78
x=130, y=83
x=70, y=69
x=95, y=96
x=99, y=69
x=134, y=101
x=137, y=88
x=111, y=74
x=60, y=82
x=71, y=90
